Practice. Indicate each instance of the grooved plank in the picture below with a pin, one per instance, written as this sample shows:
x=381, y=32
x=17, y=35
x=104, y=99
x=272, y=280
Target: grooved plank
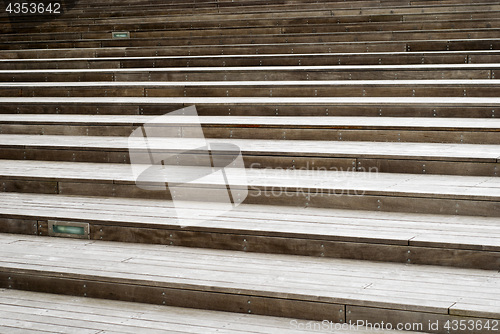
x=39, y=310
x=387, y=236
x=350, y=225
x=290, y=148
x=142, y=58
x=431, y=186
x=320, y=122
x=356, y=283
x=261, y=100
x=428, y=322
x=374, y=68
x=132, y=322
x=354, y=83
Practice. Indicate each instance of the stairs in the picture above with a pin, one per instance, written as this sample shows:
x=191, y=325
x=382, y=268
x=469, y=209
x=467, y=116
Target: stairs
x=371, y=152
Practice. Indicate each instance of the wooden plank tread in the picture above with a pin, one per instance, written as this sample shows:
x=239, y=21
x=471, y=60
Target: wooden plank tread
x=291, y=148
x=352, y=283
x=328, y=181
x=259, y=100
x=302, y=83
x=35, y=312
x=265, y=68
x=317, y=122
x=390, y=228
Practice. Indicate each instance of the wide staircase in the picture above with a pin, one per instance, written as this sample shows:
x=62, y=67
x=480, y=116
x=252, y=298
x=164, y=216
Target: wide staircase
x=369, y=190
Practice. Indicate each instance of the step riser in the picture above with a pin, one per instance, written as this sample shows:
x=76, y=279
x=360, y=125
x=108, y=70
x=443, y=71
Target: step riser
x=265, y=39
x=333, y=24
x=277, y=11
x=174, y=296
x=262, y=109
x=279, y=75
x=252, y=242
x=430, y=90
x=275, y=133
x=221, y=61
x=120, y=24
x=284, y=48
x=66, y=25
x=401, y=28
x=256, y=12
x=306, y=197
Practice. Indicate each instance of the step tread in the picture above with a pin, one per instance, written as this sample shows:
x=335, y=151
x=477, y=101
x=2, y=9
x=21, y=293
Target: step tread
x=291, y=148
x=444, y=82
x=404, y=101
x=382, y=184
x=316, y=122
x=34, y=312
x=362, y=283
x=492, y=66
x=441, y=231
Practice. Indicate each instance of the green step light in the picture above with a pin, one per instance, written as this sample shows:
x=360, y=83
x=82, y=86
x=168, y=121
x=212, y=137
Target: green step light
x=67, y=229
x=121, y=34
x=76, y=230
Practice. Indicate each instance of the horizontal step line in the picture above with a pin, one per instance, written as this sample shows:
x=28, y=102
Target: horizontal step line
x=309, y=148
x=292, y=180
x=63, y=85
x=316, y=122
x=258, y=100
x=489, y=66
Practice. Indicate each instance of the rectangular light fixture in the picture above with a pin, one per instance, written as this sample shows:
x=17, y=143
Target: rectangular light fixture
x=120, y=34
x=68, y=229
